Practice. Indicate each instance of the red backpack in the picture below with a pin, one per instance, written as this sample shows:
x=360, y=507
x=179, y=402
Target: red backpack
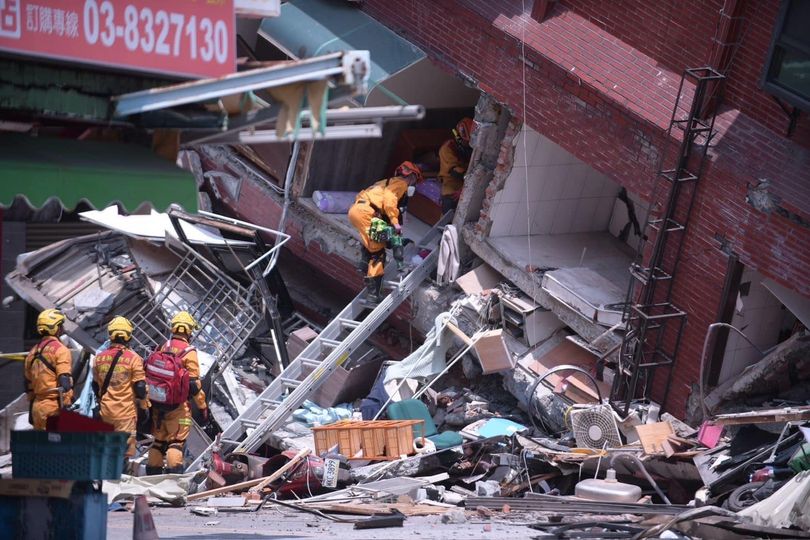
x=167, y=378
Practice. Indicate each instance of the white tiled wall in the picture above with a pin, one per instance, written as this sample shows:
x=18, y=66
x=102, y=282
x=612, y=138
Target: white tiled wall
x=759, y=315
x=564, y=194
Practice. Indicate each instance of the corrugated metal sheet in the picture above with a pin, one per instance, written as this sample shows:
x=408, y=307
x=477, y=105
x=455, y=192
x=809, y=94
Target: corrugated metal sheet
x=39, y=235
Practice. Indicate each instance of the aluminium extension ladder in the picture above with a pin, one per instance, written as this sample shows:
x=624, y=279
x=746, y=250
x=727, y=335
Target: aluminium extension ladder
x=302, y=377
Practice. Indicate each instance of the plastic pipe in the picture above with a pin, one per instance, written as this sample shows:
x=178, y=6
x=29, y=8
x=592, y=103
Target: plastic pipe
x=643, y=469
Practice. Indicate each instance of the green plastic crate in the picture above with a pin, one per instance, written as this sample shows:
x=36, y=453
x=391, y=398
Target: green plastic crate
x=68, y=456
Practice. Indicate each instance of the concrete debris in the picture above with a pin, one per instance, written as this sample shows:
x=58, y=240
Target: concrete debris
x=499, y=411
x=455, y=517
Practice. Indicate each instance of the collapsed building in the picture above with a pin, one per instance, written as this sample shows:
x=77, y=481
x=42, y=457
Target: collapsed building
x=557, y=197
x=600, y=234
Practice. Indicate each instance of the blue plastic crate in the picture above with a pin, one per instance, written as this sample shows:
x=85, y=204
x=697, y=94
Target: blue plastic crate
x=68, y=456
x=81, y=517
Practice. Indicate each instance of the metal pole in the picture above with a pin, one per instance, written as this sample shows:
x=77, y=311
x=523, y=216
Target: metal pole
x=288, y=179
x=709, y=334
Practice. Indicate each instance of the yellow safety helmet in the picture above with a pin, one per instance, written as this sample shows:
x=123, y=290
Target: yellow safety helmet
x=49, y=322
x=120, y=327
x=183, y=323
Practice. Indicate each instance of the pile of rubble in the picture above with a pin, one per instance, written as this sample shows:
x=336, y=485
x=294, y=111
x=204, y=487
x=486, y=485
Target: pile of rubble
x=492, y=417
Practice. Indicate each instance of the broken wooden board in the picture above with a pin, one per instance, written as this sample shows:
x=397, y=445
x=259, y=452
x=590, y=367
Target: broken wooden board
x=579, y=389
x=764, y=416
x=653, y=437
x=479, y=279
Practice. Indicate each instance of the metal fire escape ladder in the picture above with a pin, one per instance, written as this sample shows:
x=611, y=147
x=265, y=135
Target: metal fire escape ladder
x=304, y=374
x=653, y=324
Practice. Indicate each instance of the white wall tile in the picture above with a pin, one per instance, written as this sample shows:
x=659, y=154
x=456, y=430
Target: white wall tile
x=520, y=223
x=502, y=216
x=585, y=215
x=553, y=183
x=564, y=216
x=602, y=214
x=542, y=151
x=594, y=184
x=543, y=216
x=574, y=182
x=515, y=188
x=565, y=194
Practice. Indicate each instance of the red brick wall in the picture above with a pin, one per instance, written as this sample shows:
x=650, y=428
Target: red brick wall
x=677, y=33
x=743, y=89
x=610, y=111
x=680, y=33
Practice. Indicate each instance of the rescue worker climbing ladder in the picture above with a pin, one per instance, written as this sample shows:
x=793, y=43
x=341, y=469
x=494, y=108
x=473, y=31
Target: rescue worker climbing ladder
x=47, y=370
x=119, y=382
x=171, y=422
x=376, y=214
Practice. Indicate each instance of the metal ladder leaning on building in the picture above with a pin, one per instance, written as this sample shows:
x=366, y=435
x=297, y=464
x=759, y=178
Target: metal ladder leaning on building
x=302, y=377
x=653, y=323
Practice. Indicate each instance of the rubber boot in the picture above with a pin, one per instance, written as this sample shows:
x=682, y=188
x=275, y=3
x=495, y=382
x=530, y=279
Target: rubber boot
x=152, y=470
x=362, y=264
x=373, y=286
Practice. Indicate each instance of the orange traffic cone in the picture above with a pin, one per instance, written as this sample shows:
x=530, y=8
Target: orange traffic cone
x=143, y=526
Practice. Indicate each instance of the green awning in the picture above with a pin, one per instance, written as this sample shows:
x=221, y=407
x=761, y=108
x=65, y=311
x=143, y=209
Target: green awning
x=308, y=28
x=101, y=173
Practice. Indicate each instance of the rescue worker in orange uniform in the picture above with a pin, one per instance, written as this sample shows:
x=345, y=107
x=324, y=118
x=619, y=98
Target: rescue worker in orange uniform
x=454, y=158
x=119, y=381
x=47, y=370
x=171, y=427
x=384, y=200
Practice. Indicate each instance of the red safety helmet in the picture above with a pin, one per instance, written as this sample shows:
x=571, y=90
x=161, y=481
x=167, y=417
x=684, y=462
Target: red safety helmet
x=463, y=130
x=407, y=168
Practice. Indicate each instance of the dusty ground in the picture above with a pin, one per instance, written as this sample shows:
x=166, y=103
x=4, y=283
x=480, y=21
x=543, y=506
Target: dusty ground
x=282, y=524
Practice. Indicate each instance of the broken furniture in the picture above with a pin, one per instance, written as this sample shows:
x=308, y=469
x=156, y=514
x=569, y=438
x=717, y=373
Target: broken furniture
x=527, y=322
x=490, y=348
x=493, y=353
x=369, y=439
x=413, y=409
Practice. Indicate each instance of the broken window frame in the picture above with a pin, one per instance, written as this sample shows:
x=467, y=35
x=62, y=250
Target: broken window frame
x=779, y=47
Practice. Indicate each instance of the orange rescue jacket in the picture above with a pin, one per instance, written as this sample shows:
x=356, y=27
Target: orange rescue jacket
x=385, y=195
x=46, y=361
x=118, y=402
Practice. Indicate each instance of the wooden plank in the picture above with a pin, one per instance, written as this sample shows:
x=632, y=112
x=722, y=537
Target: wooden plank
x=653, y=436
x=765, y=416
x=235, y=488
x=280, y=472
